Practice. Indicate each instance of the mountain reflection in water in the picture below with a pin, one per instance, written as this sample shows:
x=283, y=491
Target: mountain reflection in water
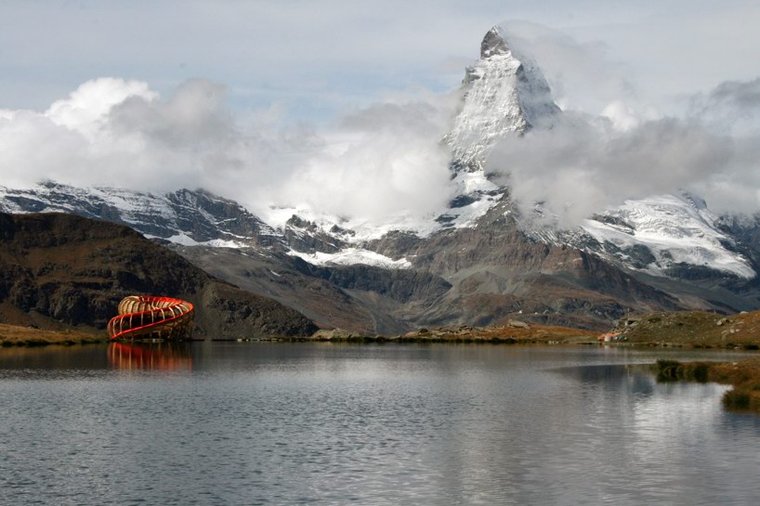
x=635, y=378
x=150, y=356
x=325, y=423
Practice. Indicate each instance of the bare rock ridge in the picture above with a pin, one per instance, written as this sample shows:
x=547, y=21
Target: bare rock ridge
x=60, y=269
x=493, y=43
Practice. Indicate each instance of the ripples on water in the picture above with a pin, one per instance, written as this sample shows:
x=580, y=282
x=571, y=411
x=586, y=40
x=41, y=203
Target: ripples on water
x=318, y=423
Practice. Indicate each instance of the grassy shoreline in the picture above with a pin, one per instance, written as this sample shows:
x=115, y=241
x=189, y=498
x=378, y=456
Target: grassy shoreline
x=743, y=376
x=695, y=329
x=514, y=332
x=686, y=329
x=14, y=335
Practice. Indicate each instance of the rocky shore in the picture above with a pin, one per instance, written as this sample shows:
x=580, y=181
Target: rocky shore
x=513, y=332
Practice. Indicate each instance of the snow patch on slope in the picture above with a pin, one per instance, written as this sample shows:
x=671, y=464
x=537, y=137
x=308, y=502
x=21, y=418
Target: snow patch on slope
x=177, y=217
x=185, y=240
x=490, y=108
x=353, y=256
x=476, y=195
x=355, y=230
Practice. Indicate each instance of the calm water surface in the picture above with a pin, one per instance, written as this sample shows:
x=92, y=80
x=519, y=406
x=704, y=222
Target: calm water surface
x=274, y=423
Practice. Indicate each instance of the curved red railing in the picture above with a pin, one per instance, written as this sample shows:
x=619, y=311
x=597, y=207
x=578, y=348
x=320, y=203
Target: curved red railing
x=146, y=316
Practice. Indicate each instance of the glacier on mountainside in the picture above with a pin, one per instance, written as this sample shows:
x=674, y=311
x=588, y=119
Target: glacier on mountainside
x=675, y=230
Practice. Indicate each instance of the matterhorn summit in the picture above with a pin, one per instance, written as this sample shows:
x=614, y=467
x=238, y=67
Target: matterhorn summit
x=502, y=93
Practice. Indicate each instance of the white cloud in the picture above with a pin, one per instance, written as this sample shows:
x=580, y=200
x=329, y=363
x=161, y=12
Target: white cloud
x=379, y=162
x=573, y=68
x=585, y=164
x=385, y=159
x=622, y=116
x=733, y=107
x=86, y=107
x=116, y=132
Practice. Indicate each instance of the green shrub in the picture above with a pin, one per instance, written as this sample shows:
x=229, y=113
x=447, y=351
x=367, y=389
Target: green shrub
x=736, y=399
x=667, y=370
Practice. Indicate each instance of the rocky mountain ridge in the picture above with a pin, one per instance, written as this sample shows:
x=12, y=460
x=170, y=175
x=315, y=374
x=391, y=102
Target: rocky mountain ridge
x=478, y=263
x=64, y=270
x=182, y=217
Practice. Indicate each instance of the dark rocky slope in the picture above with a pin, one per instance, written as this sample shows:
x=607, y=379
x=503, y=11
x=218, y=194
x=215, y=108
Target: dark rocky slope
x=496, y=271
x=481, y=275
x=360, y=298
x=61, y=270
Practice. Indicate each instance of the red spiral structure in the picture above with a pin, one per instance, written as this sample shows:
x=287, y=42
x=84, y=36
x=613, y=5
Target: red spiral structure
x=145, y=316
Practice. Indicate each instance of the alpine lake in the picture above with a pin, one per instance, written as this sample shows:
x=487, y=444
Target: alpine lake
x=320, y=423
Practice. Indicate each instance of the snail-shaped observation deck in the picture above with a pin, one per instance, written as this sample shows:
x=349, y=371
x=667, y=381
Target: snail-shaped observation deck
x=146, y=317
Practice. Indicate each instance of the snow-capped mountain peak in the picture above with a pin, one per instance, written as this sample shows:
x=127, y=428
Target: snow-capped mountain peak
x=502, y=94
x=493, y=43
x=476, y=260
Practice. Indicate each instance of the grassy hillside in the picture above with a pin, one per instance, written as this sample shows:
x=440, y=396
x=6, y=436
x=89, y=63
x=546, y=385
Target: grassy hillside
x=693, y=328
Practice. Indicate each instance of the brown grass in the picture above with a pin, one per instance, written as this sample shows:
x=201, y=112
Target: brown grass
x=697, y=329
x=512, y=333
x=745, y=378
x=13, y=335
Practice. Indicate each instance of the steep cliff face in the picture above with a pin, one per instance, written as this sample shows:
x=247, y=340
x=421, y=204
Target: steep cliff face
x=59, y=269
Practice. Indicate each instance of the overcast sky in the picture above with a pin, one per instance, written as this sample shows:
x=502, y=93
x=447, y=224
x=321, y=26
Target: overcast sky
x=314, y=59
x=339, y=106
